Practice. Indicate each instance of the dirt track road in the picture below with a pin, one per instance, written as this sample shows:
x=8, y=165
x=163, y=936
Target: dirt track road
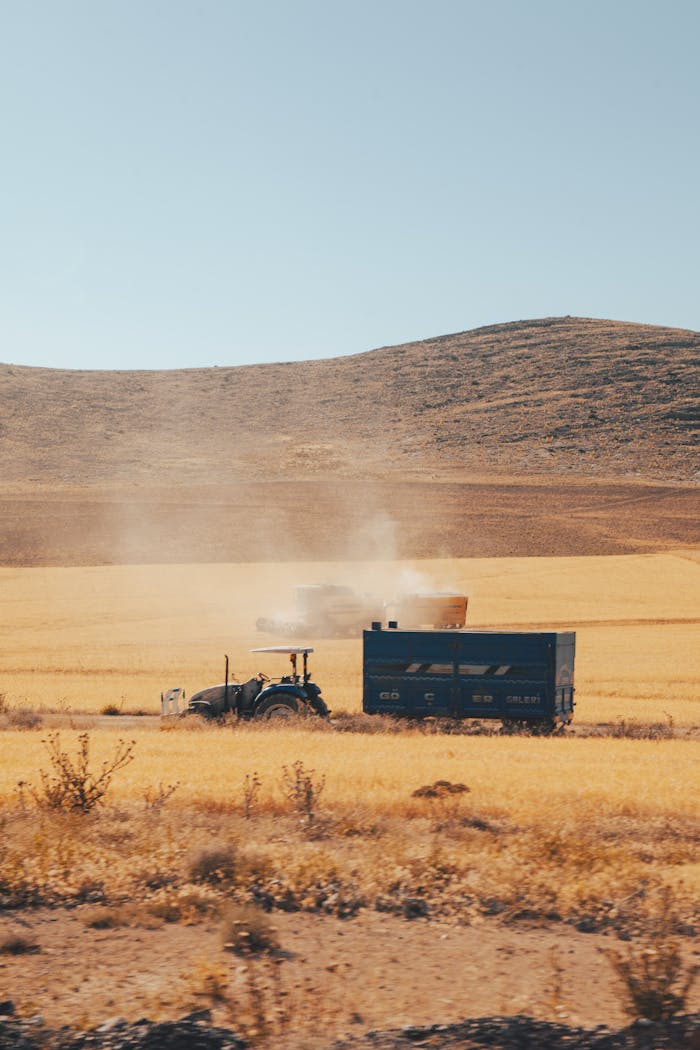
x=374, y=971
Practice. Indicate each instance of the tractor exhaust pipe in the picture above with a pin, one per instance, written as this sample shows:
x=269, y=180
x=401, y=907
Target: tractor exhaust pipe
x=226, y=685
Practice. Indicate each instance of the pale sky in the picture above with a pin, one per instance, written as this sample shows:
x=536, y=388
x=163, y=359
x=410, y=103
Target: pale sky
x=196, y=182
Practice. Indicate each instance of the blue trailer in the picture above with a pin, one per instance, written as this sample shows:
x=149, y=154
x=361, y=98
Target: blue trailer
x=523, y=678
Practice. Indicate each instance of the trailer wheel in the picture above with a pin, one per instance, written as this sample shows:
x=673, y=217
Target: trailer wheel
x=277, y=706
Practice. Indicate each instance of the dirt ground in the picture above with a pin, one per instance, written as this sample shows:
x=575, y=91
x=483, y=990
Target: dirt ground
x=348, y=520
x=342, y=977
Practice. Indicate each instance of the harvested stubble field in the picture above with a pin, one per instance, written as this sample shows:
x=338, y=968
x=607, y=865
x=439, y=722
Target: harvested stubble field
x=559, y=847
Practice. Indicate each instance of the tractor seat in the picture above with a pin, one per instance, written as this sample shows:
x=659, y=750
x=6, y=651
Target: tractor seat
x=248, y=691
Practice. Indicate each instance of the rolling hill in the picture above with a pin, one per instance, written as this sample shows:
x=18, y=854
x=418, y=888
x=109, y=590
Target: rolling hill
x=459, y=443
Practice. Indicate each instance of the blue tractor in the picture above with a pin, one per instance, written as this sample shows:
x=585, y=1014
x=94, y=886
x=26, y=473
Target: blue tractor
x=261, y=697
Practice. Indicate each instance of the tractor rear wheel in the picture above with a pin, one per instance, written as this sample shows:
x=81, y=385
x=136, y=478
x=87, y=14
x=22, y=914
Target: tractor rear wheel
x=277, y=705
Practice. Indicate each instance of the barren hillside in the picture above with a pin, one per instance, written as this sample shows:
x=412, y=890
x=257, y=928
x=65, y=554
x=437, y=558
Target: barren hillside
x=594, y=398
x=199, y=464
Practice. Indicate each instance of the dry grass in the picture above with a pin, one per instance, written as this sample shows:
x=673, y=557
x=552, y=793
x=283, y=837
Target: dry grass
x=580, y=830
x=515, y=777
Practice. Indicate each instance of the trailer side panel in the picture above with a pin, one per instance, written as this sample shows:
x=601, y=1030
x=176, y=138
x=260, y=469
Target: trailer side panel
x=512, y=675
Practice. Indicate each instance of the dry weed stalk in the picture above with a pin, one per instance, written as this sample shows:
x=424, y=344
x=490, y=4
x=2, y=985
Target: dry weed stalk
x=557, y=982
x=266, y=1013
x=252, y=996
x=303, y=788
x=71, y=785
x=251, y=790
x=155, y=797
x=652, y=975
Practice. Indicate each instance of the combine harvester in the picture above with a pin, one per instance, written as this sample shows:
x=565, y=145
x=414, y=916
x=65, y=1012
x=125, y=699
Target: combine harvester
x=446, y=612
x=329, y=610
x=325, y=610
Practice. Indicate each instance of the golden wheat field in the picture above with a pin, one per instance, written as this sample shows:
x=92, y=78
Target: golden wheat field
x=78, y=639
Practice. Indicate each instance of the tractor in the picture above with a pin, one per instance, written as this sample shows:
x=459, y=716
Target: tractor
x=263, y=698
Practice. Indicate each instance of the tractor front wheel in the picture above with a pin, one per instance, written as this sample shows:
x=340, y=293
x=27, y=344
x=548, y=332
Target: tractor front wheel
x=278, y=705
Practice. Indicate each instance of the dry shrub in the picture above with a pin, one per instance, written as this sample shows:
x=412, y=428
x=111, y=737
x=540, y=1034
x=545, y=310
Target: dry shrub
x=246, y=930
x=440, y=789
x=108, y=918
x=653, y=977
x=214, y=865
x=445, y=800
x=21, y=718
x=567, y=847
x=154, y=876
x=187, y=904
x=254, y=866
x=112, y=917
x=18, y=944
x=353, y=722
x=631, y=729
x=260, y=1004
x=71, y=785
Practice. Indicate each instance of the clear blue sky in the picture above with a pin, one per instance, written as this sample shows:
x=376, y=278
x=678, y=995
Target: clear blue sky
x=199, y=182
